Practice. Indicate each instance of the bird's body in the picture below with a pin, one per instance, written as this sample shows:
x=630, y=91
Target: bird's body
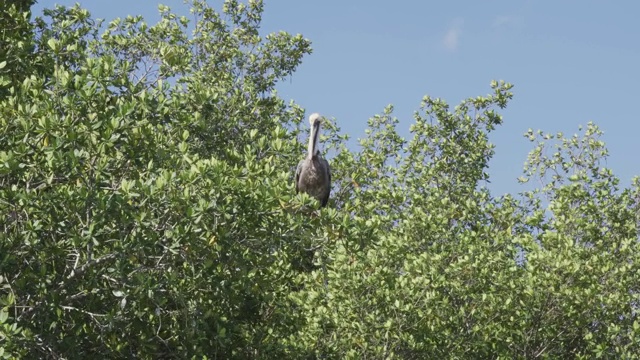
x=313, y=174
x=314, y=178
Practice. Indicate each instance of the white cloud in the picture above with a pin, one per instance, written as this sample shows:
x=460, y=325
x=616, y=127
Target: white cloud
x=452, y=36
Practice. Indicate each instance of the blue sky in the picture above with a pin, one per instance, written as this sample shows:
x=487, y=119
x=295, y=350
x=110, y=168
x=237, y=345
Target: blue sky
x=570, y=61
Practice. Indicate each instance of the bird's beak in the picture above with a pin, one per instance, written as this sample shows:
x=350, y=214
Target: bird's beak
x=313, y=139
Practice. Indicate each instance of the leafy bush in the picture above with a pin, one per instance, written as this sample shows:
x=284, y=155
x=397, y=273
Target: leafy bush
x=148, y=211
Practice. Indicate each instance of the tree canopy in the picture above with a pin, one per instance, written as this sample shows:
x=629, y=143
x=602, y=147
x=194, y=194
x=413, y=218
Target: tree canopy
x=147, y=210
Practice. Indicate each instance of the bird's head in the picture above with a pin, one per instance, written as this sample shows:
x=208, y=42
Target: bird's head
x=314, y=119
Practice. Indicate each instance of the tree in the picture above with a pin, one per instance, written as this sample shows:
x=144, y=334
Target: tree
x=147, y=210
x=125, y=203
x=447, y=270
x=16, y=40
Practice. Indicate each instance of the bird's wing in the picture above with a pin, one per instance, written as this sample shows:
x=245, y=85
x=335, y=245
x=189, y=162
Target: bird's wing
x=298, y=171
x=328, y=172
x=325, y=200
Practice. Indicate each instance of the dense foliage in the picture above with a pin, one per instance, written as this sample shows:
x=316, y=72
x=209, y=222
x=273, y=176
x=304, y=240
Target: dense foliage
x=147, y=210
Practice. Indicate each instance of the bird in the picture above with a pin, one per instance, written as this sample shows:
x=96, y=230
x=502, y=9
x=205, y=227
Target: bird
x=313, y=174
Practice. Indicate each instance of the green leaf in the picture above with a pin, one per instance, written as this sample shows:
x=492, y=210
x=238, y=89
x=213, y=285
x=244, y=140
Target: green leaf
x=53, y=44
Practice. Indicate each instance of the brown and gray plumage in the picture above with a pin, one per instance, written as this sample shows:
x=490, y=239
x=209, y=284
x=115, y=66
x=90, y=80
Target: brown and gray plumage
x=313, y=175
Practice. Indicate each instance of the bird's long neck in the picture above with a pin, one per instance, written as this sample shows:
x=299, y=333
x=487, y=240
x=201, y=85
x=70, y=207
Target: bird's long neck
x=313, y=140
